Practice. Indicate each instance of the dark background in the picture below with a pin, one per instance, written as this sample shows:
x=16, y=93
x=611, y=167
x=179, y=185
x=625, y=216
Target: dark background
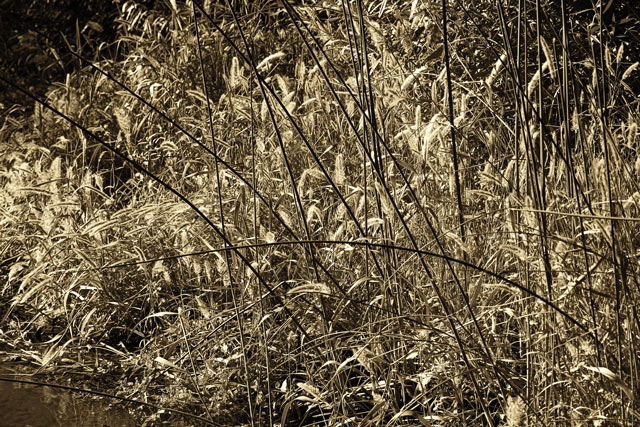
x=33, y=52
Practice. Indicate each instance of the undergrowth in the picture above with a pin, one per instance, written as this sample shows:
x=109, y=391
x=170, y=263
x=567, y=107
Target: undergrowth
x=336, y=213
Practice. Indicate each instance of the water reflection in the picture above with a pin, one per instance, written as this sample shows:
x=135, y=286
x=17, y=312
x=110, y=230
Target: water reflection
x=38, y=406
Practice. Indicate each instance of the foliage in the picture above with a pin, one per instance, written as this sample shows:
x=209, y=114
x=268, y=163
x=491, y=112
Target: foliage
x=261, y=211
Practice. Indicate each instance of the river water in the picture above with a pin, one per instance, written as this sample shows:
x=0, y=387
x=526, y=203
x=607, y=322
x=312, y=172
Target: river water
x=40, y=406
x=31, y=405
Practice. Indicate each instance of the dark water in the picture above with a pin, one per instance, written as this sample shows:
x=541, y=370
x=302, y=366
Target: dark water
x=38, y=406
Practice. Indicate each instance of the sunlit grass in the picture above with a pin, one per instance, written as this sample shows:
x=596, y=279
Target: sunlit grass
x=264, y=216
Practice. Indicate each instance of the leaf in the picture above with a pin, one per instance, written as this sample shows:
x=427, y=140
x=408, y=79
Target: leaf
x=360, y=281
x=317, y=288
x=161, y=314
x=613, y=377
x=310, y=389
x=85, y=321
x=163, y=361
x=285, y=412
x=94, y=26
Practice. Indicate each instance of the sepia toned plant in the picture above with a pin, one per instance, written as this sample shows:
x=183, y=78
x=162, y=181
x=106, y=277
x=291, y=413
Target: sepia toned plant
x=296, y=213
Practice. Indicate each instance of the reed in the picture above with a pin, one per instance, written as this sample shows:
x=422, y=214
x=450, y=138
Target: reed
x=338, y=212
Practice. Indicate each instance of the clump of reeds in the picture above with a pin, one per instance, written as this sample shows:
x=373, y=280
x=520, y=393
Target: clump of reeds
x=338, y=213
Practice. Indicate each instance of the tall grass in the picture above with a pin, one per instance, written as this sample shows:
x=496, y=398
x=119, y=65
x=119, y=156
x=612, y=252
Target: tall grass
x=338, y=213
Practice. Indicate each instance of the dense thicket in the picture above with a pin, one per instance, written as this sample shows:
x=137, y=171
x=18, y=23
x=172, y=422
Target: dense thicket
x=324, y=212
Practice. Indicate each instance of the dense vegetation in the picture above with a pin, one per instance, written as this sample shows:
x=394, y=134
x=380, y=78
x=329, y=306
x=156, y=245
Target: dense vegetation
x=266, y=213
